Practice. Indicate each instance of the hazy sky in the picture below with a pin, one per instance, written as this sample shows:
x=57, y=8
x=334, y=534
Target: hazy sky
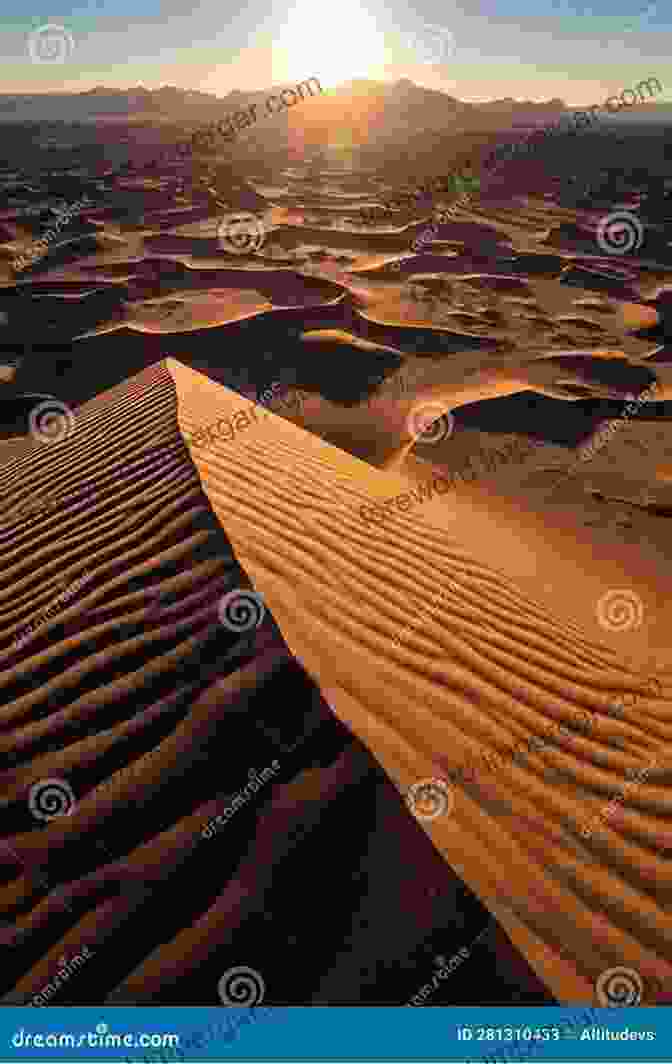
x=492, y=48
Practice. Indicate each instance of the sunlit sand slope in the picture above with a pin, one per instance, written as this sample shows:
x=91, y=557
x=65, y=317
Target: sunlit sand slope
x=434, y=658
x=151, y=715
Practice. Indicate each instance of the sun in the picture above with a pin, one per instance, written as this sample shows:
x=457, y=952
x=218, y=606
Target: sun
x=334, y=43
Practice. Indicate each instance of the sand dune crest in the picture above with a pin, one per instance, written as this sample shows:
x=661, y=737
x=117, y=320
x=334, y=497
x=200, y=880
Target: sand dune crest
x=433, y=658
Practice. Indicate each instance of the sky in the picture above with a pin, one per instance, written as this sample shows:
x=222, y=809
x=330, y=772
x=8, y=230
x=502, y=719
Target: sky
x=525, y=49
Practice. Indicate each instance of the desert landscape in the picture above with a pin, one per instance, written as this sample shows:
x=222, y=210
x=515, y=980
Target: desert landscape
x=335, y=564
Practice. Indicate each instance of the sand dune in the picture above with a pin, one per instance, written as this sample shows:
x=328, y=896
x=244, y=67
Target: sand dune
x=431, y=656
x=154, y=717
x=460, y=627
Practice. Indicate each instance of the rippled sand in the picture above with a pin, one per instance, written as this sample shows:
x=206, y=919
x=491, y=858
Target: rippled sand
x=445, y=633
x=432, y=657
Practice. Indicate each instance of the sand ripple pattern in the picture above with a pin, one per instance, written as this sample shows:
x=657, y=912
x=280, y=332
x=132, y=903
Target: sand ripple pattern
x=130, y=717
x=433, y=658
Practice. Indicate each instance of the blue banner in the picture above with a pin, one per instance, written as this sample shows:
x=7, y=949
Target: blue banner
x=492, y=1035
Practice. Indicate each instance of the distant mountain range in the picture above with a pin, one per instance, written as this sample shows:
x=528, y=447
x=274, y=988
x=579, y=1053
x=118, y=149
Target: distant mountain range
x=424, y=108
x=396, y=129
x=101, y=103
